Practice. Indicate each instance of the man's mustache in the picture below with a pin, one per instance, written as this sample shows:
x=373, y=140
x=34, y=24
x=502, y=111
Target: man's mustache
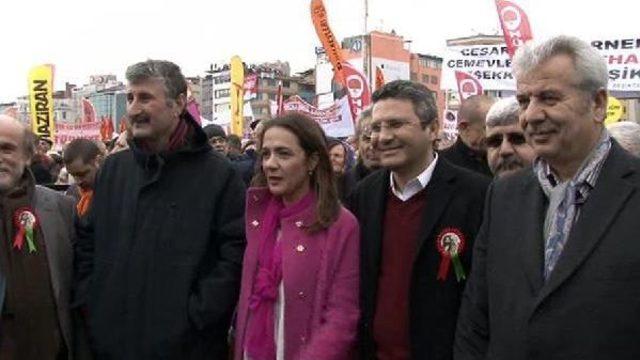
x=139, y=118
x=510, y=163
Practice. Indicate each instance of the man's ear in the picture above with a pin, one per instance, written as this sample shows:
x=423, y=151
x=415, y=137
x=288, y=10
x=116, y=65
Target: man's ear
x=181, y=103
x=434, y=128
x=600, y=105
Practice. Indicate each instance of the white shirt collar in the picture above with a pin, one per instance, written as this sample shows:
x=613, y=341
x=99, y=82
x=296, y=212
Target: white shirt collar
x=416, y=184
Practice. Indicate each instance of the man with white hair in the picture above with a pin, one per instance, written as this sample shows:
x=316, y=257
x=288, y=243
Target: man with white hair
x=36, y=236
x=507, y=148
x=556, y=267
x=627, y=133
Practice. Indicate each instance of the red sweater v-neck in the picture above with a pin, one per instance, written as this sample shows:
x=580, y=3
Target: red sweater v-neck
x=402, y=222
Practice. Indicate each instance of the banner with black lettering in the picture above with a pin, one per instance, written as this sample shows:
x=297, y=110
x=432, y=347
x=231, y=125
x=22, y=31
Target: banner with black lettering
x=622, y=57
x=41, y=101
x=491, y=65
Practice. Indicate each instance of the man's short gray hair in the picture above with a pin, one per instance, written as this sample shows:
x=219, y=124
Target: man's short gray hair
x=170, y=73
x=503, y=112
x=590, y=67
x=627, y=133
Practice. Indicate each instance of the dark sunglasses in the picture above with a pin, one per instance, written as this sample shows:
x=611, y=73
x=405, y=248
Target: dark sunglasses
x=495, y=140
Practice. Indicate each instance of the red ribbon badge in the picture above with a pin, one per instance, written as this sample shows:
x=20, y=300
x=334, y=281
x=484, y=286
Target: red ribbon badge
x=25, y=221
x=450, y=244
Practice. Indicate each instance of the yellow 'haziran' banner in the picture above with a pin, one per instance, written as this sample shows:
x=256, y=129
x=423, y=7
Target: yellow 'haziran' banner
x=41, y=101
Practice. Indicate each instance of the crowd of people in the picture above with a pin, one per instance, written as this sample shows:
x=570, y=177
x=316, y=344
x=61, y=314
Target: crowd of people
x=181, y=242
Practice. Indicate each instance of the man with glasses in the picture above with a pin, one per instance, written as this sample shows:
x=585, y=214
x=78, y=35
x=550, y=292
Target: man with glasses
x=507, y=149
x=418, y=217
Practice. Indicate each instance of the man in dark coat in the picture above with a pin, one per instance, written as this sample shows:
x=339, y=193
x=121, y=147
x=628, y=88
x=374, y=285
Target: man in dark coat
x=469, y=151
x=418, y=219
x=160, y=257
x=556, y=269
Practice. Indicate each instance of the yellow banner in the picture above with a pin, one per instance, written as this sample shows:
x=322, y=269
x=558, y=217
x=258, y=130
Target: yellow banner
x=237, y=96
x=41, y=101
x=614, y=111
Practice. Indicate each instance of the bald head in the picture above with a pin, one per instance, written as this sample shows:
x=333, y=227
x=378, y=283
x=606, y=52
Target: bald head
x=474, y=109
x=471, y=121
x=16, y=149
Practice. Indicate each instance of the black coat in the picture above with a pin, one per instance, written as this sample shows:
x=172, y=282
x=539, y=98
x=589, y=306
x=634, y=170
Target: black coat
x=589, y=308
x=461, y=155
x=161, y=254
x=455, y=199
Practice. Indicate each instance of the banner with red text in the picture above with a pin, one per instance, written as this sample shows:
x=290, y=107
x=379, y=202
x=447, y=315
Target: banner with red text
x=622, y=57
x=335, y=120
x=65, y=133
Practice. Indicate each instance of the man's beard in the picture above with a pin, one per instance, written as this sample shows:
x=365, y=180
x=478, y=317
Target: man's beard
x=509, y=164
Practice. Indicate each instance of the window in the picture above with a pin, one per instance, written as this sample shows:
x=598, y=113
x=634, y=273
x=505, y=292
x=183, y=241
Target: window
x=434, y=80
x=425, y=78
x=223, y=108
x=222, y=79
x=222, y=93
x=286, y=83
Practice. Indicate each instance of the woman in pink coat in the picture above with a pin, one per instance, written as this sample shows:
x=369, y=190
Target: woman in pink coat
x=300, y=277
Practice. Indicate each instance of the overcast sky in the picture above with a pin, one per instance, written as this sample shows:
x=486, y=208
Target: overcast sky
x=83, y=38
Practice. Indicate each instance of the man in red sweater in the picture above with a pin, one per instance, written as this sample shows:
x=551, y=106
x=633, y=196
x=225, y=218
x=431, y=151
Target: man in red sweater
x=418, y=219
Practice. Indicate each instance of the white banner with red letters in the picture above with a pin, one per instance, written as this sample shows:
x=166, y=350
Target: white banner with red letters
x=335, y=120
x=65, y=133
x=491, y=65
x=622, y=57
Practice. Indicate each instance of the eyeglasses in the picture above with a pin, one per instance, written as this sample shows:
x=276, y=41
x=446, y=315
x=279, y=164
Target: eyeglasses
x=495, y=140
x=391, y=125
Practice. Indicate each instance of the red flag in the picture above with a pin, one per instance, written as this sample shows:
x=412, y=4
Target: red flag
x=467, y=86
x=280, y=100
x=358, y=88
x=108, y=129
x=515, y=25
x=123, y=125
x=379, y=78
x=88, y=111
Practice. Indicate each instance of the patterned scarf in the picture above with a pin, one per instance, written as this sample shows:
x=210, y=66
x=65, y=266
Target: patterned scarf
x=574, y=195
